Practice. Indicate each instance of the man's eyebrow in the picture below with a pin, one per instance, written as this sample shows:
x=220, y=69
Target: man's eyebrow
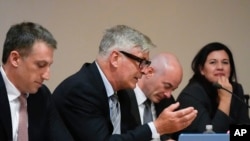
x=167, y=84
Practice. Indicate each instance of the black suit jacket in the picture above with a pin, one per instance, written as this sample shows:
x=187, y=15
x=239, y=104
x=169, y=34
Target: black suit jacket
x=133, y=110
x=208, y=113
x=43, y=120
x=82, y=102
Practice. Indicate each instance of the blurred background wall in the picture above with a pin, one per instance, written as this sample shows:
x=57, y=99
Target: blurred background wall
x=178, y=26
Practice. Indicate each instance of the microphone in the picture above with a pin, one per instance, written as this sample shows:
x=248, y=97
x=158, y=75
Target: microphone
x=218, y=86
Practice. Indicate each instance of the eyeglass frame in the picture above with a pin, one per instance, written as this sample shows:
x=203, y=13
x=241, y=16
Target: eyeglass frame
x=142, y=62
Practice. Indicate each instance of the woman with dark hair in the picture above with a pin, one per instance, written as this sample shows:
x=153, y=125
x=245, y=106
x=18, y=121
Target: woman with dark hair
x=214, y=64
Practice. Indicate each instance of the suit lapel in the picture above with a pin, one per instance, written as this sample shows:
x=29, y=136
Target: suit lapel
x=134, y=106
x=159, y=107
x=5, y=114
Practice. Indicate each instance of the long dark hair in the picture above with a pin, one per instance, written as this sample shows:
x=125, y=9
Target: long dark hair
x=199, y=61
x=201, y=57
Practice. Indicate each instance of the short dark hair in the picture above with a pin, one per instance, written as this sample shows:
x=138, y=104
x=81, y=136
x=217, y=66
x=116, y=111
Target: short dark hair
x=22, y=36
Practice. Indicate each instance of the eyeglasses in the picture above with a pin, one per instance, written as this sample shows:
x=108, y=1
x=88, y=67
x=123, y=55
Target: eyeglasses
x=142, y=62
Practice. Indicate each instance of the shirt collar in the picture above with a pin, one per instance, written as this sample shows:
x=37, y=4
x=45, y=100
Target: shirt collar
x=108, y=87
x=140, y=96
x=12, y=91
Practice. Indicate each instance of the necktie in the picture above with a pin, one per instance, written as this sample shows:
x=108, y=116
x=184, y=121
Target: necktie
x=115, y=114
x=147, y=115
x=23, y=119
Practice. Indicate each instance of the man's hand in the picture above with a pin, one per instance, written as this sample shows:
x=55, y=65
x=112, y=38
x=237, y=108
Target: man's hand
x=170, y=121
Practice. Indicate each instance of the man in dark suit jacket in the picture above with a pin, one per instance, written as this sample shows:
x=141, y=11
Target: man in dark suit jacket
x=84, y=99
x=164, y=76
x=135, y=119
x=27, y=56
x=44, y=123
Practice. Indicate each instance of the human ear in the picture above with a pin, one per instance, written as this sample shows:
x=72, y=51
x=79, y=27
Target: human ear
x=14, y=58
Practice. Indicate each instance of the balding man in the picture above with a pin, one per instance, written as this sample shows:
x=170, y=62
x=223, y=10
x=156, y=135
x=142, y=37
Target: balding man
x=162, y=77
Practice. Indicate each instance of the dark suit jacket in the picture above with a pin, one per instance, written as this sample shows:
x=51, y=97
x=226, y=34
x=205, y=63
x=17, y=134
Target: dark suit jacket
x=133, y=109
x=82, y=102
x=44, y=125
x=208, y=113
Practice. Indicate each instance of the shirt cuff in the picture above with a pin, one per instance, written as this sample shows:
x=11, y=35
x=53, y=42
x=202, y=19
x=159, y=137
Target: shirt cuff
x=155, y=134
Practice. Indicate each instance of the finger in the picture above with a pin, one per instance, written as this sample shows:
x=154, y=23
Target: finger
x=190, y=117
x=185, y=111
x=173, y=107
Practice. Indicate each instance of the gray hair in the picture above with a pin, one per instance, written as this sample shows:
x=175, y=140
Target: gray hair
x=122, y=37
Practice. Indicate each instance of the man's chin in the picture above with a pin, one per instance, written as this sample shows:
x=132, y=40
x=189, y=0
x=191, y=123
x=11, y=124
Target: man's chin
x=131, y=86
x=33, y=91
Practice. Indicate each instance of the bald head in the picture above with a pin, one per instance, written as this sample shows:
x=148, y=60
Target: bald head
x=163, y=76
x=165, y=62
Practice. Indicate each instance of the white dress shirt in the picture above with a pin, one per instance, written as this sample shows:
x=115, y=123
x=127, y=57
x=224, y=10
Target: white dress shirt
x=141, y=98
x=13, y=95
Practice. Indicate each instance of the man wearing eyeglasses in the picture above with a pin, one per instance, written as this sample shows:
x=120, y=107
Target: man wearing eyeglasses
x=87, y=100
